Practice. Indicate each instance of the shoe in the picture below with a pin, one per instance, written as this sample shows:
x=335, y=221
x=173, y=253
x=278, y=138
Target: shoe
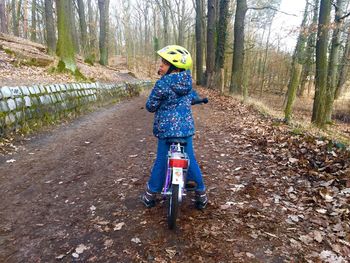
x=201, y=200
x=148, y=198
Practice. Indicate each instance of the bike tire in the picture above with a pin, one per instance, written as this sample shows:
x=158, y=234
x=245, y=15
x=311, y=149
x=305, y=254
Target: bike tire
x=173, y=206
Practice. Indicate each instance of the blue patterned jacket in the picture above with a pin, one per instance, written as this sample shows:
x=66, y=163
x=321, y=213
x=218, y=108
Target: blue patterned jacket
x=171, y=99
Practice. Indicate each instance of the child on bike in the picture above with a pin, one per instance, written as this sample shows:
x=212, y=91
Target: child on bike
x=170, y=100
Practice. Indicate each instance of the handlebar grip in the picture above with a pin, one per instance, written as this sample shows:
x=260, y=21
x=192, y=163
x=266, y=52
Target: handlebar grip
x=200, y=101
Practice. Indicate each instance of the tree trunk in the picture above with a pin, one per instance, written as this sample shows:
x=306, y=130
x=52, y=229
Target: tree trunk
x=33, y=26
x=211, y=32
x=73, y=26
x=220, y=49
x=83, y=28
x=65, y=45
x=92, y=35
x=309, y=51
x=25, y=19
x=344, y=68
x=263, y=69
x=50, y=27
x=15, y=18
x=292, y=90
x=163, y=6
x=199, y=42
x=296, y=68
x=103, y=7
x=3, y=19
x=318, y=111
x=238, y=48
x=333, y=61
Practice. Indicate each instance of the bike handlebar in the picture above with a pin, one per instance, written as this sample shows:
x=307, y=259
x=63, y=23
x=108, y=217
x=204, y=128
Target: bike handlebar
x=200, y=101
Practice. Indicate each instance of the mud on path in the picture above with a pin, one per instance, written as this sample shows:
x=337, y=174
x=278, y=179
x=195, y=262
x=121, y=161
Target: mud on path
x=72, y=195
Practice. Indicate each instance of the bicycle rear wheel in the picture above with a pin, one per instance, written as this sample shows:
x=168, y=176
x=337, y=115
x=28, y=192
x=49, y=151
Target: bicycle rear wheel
x=173, y=206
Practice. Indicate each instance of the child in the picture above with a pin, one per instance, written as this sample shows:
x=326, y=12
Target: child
x=170, y=100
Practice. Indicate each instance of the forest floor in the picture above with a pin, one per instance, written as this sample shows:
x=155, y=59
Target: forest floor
x=72, y=194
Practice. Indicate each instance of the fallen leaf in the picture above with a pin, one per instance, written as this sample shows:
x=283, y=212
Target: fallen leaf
x=318, y=236
x=250, y=255
x=108, y=243
x=136, y=240
x=80, y=249
x=118, y=226
x=60, y=256
x=171, y=252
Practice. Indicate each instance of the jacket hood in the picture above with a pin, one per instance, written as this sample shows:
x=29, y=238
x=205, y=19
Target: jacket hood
x=180, y=83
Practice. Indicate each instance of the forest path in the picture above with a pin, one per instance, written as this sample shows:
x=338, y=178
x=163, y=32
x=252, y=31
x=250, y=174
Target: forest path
x=73, y=194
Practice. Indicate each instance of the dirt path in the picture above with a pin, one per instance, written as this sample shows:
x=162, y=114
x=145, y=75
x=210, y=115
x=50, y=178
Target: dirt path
x=72, y=195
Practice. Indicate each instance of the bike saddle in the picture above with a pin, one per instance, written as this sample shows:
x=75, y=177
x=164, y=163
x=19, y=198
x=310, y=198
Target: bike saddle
x=182, y=141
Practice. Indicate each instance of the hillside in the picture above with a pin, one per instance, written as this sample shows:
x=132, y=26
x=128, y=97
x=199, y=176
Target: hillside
x=23, y=62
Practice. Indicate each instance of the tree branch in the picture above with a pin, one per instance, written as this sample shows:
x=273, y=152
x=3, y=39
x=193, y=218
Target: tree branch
x=344, y=16
x=272, y=8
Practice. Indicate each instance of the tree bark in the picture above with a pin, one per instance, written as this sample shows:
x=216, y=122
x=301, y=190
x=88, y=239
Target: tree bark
x=73, y=25
x=211, y=32
x=292, y=90
x=15, y=18
x=83, y=27
x=33, y=26
x=92, y=35
x=296, y=67
x=238, y=48
x=3, y=19
x=309, y=51
x=333, y=61
x=344, y=69
x=50, y=27
x=318, y=111
x=65, y=45
x=25, y=19
x=217, y=79
x=103, y=7
x=264, y=60
x=199, y=42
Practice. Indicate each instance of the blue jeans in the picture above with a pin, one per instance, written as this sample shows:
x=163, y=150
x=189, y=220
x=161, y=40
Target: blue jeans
x=157, y=179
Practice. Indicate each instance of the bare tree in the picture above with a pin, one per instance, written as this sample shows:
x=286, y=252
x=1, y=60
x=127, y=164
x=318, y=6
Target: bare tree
x=238, y=48
x=344, y=68
x=211, y=32
x=296, y=67
x=16, y=10
x=50, y=27
x=25, y=18
x=332, y=77
x=103, y=6
x=164, y=8
x=83, y=28
x=65, y=45
x=310, y=50
x=218, y=77
x=92, y=34
x=318, y=111
x=199, y=42
x=33, y=26
x=3, y=18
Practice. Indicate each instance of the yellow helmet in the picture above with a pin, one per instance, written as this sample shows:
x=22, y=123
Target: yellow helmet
x=177, y=56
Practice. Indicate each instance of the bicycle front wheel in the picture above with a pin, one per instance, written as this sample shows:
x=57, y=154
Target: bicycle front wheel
x=173, y=206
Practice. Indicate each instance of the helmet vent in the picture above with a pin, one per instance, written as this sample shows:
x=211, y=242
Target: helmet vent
x=179, y=50
x=175, y=60
x=172, y=53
